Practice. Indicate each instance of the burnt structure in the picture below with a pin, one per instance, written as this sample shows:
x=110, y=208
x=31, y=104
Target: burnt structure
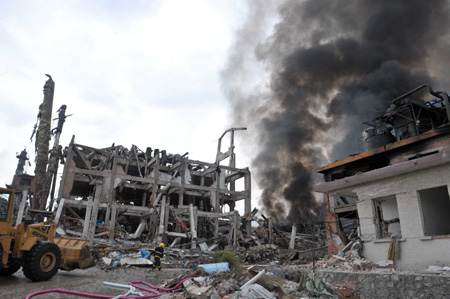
x=398, y=187
x=152, y=195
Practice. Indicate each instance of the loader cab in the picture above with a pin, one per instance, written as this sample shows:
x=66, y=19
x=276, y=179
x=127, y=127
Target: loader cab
x=6, y=202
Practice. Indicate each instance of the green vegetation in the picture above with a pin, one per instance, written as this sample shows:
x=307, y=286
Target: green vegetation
x=227, y=256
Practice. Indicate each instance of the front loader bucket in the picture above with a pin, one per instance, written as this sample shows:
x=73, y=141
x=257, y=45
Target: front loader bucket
x=75, y=254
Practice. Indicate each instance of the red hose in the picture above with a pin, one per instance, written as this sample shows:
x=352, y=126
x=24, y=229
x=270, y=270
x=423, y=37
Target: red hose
x=132, y=283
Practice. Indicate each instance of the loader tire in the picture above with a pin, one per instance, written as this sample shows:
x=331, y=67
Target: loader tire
x=42, y=261
x=13, y=268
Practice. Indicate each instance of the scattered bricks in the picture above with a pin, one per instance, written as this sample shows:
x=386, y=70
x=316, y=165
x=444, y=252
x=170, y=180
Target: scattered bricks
x=343, y=292
x=385, y=264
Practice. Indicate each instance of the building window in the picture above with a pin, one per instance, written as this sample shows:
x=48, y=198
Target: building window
x=386, y=216
x=435, y=203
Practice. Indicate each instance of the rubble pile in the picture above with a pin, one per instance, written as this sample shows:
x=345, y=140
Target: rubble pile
x=352, y=261
x=148, y=195
x=296, y=248
x=219, y=284
x=229, y=285
x=269, y=245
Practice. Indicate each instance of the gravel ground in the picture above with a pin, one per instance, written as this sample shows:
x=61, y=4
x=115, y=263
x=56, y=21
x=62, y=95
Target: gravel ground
x=89, y=280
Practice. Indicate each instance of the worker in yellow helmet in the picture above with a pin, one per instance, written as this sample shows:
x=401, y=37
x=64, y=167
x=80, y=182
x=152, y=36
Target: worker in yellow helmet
x=158, y=252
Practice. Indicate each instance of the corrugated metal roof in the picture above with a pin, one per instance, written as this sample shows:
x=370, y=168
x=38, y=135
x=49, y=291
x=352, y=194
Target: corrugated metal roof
x=255, y=291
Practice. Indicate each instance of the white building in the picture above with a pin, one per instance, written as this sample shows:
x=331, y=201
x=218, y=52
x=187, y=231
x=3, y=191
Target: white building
x=398, y=187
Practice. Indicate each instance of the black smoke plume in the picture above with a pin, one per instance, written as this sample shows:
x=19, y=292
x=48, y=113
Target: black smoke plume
x=325, y=67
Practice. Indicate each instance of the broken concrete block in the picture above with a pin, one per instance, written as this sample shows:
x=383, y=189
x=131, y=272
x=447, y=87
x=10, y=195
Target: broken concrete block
x=203, y=246
x=385, y=264
x=135, y=261
x=106, y=260
x=214, y=246
x=60, y=231
x=194, y=290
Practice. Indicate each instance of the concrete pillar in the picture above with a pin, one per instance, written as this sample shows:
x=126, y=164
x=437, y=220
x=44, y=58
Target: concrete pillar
x=410, y=214
x=237, y=221
x=162, y=211
x=87, y=218
x=93, y=221
x=248, y=202
x=192, y=226
x=183, y=182
x=293, y=234
x=366, y=220
x=112, y=223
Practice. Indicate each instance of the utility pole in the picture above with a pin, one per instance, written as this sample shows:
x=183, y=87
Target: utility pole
x=42, y=143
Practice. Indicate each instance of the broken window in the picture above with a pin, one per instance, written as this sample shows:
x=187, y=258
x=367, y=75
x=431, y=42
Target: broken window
x=345, y=200
x=386, y=216
x=435, y=204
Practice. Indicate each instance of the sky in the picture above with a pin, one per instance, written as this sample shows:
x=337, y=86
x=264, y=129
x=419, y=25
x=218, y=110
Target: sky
x=130, y=72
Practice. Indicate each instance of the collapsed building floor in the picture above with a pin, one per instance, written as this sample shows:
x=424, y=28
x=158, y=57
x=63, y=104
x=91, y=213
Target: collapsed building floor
x=115, y=194
x=152, y=196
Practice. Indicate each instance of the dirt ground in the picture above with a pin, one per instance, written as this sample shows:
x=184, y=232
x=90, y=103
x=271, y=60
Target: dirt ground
x=89, y=280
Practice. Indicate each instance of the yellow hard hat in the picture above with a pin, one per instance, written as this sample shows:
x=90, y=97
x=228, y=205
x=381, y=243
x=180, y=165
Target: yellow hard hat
x=161, y=245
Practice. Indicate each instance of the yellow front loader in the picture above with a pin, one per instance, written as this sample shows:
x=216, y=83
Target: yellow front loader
x=34, y=247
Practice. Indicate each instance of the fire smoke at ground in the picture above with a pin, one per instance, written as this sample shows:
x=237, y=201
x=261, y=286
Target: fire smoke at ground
x=329, y=65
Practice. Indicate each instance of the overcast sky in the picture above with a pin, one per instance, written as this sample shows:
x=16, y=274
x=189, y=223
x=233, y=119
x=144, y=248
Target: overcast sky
x=130, y=72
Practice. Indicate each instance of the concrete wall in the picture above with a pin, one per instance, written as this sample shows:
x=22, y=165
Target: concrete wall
x=417, y=251
x=382, y=285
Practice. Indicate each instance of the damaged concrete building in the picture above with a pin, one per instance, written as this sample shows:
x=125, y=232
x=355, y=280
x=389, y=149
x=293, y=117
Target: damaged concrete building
x=130, y=194
x=397, y=188
x=152, y=195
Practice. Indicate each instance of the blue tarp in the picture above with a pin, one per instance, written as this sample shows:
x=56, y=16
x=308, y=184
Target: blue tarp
x=145, y=254
x=219, y=267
